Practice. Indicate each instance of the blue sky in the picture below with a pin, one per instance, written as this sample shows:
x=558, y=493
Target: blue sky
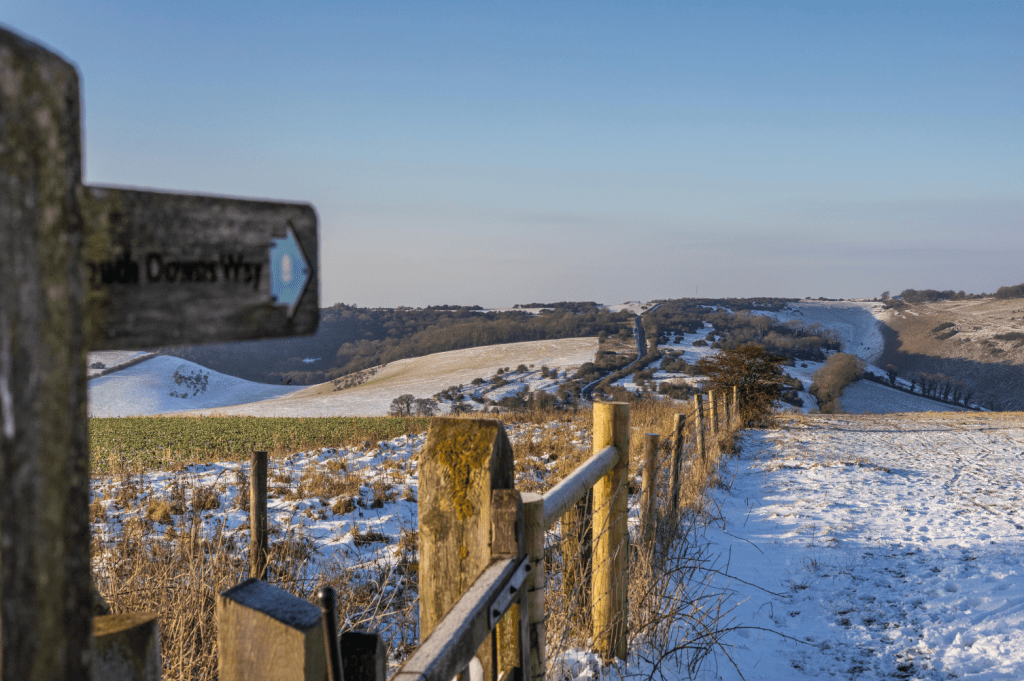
x=498, y=153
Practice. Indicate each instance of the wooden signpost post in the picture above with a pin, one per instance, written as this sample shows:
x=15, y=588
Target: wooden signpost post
x=93, y=268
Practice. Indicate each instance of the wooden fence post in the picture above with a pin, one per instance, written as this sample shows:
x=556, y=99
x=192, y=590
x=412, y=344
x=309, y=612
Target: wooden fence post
x=265, y=633
x=698, y=427
x=126, y=647
x=364, y=656
x=45, y=574
x=713, y=404
x=678, y=422
x=611, y=535
x=736, y=403
x=649, y=487
x=728, y=414
x=258, y=515
x=536, y=583
x=463, y=461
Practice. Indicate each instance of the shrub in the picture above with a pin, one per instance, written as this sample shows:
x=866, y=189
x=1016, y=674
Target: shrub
x=1007, y=292
x=840, y=370
x=754, y=371
x=522, y=369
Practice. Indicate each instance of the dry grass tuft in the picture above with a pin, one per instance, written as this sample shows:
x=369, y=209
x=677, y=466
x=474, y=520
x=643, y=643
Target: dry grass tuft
x=205, y=499
x=159, y=511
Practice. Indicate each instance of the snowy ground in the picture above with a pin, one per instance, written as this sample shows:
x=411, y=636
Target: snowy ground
x=163, y=385
x=877, y=548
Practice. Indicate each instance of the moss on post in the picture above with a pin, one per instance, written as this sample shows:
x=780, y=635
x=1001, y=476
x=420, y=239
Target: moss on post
x=463, y=461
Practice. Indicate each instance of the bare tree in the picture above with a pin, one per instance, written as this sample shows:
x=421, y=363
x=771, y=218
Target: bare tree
x=402, y=405
x=425, y=406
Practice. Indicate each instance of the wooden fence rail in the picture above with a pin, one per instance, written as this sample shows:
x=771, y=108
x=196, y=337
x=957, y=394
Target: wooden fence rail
x=560, y=498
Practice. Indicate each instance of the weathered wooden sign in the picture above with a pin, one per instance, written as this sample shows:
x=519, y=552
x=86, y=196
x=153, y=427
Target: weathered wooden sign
x=165, y=269
x=94, y=268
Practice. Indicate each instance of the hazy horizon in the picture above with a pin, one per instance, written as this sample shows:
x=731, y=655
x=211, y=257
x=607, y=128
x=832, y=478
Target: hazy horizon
x=496, y=154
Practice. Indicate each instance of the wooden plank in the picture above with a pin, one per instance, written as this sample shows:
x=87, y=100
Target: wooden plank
x=44, y=462
x=265, y=633
x=560, y=498
x=463, y=461
x=611, y=534
x=507, y=541
x=126, y=647
x=450, y=646
x=536, y=585
x=170, y=269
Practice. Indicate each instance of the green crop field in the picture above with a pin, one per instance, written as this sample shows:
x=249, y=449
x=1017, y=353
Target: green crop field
x=160, y=441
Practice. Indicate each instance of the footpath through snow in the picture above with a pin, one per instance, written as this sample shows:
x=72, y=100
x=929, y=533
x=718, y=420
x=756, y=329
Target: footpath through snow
x=876, y=547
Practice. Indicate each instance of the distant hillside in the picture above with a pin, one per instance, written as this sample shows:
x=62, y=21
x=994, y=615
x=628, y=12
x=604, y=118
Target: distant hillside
x=976, y=342
x=351, y=339
x=423, y=377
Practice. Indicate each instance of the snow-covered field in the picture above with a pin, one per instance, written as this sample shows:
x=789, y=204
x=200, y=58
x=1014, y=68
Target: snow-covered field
x=164, y=385
x=885, y=547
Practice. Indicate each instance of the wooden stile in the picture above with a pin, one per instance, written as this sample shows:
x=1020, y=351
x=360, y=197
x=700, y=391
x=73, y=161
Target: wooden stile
x=460, y=466
x=611, y=535
x=266, y=634
x=126, y=647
